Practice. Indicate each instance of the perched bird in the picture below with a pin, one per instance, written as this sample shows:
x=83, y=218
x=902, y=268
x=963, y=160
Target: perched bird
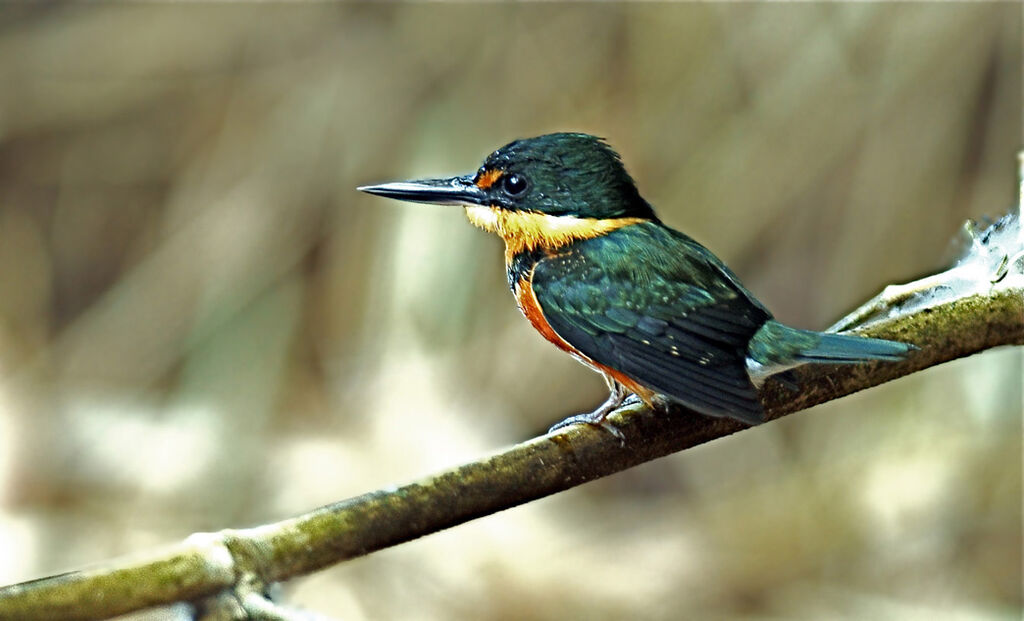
x=600, y=276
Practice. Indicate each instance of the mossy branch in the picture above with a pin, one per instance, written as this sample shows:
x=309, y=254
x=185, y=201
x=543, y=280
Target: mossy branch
x=945, y=318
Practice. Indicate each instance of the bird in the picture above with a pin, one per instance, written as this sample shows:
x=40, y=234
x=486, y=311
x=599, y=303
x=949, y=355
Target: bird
x=599, y=275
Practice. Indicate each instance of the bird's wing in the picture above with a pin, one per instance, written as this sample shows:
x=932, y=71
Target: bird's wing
x=657, y=306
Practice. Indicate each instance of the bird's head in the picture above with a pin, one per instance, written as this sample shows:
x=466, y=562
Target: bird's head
x=538, y=192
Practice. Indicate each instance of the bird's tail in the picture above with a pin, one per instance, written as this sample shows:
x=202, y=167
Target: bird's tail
x=776, y=348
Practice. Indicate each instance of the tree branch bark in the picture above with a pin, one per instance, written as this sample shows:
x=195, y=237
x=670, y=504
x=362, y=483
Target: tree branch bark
x=944, y=321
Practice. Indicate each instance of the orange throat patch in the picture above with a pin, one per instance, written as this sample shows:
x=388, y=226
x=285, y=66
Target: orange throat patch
x=530, y=230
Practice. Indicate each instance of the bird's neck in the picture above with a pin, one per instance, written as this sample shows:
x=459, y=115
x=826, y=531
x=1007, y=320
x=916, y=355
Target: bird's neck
x=527, y=231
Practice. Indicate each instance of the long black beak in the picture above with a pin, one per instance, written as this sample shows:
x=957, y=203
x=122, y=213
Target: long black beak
x=451, y=191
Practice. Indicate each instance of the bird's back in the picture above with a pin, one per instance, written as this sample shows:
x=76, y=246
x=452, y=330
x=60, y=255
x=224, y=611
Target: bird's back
x=654, y=304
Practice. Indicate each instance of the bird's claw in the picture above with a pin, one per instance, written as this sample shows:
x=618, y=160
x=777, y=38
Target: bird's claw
x=600, y=420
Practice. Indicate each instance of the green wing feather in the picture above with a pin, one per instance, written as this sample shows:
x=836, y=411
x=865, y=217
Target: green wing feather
x=656, y=305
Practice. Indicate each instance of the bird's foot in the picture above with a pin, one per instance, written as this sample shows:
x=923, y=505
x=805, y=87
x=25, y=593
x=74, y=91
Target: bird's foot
x=632, y=399
x=598, y=417
x=589, y=419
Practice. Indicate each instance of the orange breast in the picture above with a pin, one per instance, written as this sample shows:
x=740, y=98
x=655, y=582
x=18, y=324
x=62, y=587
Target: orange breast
x=531, y=309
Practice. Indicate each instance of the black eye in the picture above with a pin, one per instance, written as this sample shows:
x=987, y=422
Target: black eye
x=514, y=185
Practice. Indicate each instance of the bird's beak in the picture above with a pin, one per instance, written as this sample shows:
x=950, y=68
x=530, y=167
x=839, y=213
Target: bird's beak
x=450, y=191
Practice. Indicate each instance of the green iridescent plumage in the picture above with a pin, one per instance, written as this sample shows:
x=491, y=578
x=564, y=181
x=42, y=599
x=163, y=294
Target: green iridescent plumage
x=631, y=296
x=570, y=174
x=654, y=304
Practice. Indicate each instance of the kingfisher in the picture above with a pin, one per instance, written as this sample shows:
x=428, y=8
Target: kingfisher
x=599, y=275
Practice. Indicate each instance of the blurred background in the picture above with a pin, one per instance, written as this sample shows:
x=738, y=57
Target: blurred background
x=203, y=325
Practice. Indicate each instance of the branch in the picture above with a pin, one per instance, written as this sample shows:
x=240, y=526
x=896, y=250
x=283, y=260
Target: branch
x=976, y=305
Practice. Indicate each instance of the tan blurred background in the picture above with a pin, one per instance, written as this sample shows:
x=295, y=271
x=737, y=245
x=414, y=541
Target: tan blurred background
x=203, y=325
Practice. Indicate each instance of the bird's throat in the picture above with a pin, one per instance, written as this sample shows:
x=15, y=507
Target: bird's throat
x=530, y=230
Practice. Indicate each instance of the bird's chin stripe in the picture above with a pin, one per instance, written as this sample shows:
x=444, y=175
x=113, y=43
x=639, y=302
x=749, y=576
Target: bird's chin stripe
x=530, y=230
x=485, y=218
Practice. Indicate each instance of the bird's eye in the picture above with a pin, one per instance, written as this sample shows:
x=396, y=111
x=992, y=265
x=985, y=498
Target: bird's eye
x=514, y=185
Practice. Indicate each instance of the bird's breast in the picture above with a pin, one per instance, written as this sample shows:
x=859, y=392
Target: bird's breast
x=526, y=299
x=531, y=309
